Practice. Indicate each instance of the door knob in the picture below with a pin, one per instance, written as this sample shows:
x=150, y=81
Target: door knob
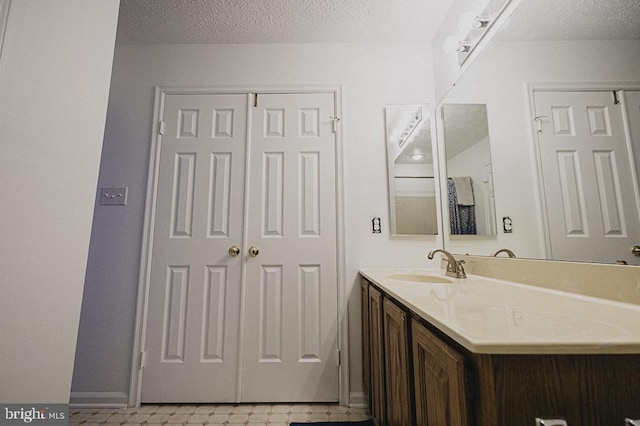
x=254, y=251
x=635, y=250
x=234, y=251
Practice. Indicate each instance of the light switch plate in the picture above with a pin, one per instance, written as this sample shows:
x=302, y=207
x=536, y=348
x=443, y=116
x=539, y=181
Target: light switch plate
x=113, y=196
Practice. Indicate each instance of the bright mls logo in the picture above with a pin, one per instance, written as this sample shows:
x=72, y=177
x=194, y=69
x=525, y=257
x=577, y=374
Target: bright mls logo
x=36, y=414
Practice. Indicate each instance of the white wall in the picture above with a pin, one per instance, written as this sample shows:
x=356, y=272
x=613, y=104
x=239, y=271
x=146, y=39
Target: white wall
x=499, y=78
x=372, y=75
x=54, y=81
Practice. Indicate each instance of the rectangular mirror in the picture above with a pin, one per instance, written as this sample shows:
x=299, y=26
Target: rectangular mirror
x=552, y=194
x=412, y=188
x=470, y=207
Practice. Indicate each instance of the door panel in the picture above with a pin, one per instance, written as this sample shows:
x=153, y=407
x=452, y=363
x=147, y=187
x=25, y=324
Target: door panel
x=291, y=285
x=441, y=396
x=587, y=173
x=191, y=338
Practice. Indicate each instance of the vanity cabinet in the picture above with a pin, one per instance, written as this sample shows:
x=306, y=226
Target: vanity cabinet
x=410, y=376
x=398, y=377
x=418, y=375
x=440, y=377
x=376, y=356
x=366, y=365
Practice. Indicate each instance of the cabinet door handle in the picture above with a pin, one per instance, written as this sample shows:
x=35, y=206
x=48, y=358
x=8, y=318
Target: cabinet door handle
x=550, y=422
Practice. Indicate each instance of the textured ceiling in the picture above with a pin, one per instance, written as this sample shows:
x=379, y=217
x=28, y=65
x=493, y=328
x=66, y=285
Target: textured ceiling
x=464, y=125
x=278, y=21
x=574, y=20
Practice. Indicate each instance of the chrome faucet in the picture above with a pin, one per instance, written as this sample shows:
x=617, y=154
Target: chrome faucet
x=454, y=267
x=504, y=250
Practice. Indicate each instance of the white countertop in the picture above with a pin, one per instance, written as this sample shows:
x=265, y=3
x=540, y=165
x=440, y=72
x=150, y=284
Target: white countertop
x=486, y=315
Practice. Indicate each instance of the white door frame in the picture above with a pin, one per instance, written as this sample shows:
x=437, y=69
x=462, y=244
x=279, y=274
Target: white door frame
x=4, y=18
x=531, y=89
x=149, y=221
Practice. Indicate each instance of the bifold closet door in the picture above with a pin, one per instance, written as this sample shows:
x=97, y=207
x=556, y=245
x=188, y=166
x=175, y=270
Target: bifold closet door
x=192, y=324
x=196, y=303
x=290, y=339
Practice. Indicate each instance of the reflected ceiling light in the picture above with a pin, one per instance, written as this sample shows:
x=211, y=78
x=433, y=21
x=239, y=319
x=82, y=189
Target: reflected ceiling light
x=417, y=156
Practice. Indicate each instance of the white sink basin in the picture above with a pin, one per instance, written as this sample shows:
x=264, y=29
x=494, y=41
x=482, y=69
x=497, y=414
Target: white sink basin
x=420, y=278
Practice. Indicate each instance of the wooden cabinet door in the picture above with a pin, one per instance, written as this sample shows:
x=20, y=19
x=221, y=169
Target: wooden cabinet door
x=366, y=346
x=439, y=376
x=398, y=378
x=377, y=356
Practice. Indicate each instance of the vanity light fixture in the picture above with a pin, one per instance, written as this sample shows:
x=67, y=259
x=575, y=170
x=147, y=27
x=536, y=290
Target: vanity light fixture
x=415, y=119
x=477, y=28
x=480, y=23
x=463, y=46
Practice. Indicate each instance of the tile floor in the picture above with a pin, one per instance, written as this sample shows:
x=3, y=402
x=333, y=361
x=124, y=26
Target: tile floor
x=215, y=415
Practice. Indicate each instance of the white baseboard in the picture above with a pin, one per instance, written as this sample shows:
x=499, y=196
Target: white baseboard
x=99, y=399
x=357, y=400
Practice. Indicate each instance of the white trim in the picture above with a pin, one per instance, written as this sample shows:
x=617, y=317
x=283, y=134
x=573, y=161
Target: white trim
x=438, y=151
x=5, y=5
x=245, y=243
x=531, y=89
x=626, y=122
x=440, y=173
x=341, y=254
x=537, y=170
x=357, y=400
x=149, y=219
x=98, y=400
x=145, y=259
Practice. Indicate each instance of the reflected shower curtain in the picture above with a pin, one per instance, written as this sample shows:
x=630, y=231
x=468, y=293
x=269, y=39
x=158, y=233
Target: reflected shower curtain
x=462, y=218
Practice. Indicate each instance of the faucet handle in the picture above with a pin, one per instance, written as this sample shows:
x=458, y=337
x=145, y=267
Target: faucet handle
x=460, y=272
x=452, y=265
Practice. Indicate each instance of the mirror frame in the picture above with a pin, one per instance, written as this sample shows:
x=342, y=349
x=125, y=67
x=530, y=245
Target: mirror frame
x=428, y=116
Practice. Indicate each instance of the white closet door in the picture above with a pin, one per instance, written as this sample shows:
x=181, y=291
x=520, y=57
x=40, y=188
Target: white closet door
x=192, y=322
x=290, y=339
x=587, y=172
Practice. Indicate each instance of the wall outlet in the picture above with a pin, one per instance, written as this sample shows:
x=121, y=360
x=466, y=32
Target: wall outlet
x=113, y=196
x=507, y=225
x=376, y=225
